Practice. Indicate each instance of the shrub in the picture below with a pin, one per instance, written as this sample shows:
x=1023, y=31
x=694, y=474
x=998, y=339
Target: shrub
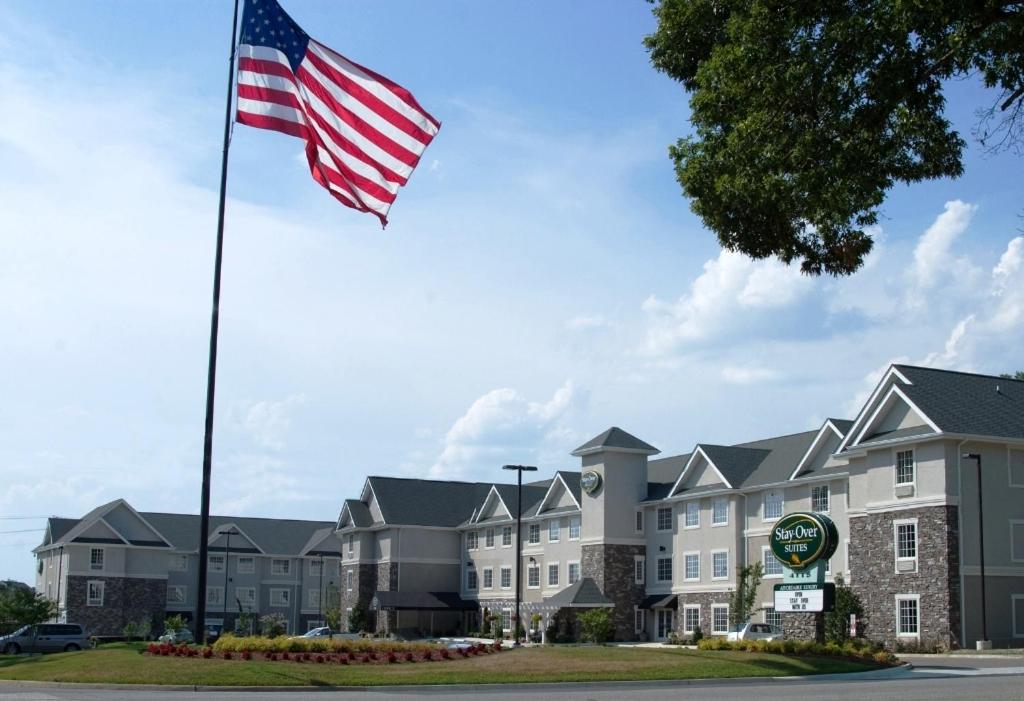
x=409, y=657
x=596, y=625
x=246, y=655
x=320, y=659
x=697, y=635
x=226, y=655
x=272, y=625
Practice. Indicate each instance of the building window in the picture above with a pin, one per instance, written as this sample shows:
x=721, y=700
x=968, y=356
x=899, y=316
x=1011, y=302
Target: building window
x=489, y=538
x=1016, y=468
x=315, y=567
x=506, y=537
x=692, y=514
x=691, y=567
x=488, y=578
x=281, y=567
x=905, y=467
x=691, y=618
x=246, y=595
x=506, y=620
x=552, y=574
x=820, y=499
x=639, y=619
x=506, y=577
x=533, y=576
x=906, y=545
x=216, y=563
x=471, y=579
x=94, y=593
x=719, y=618
x=664, y=569
x=472, y=540
x=214, y=596
x=554, y=531
x=639, y=566
x=96, y=558
x=280, y=597
x=178, y=563
x=771, y=565
x=313, y=597
x=665, y=518
x=246, y=564
x=772, y=617
x=574, y=572
x=1017, y=613
x=175, y=594
x=720, y=564
x=908, y=615
x=348, y=580
x=720, y=512
x=574, y=528
x=534, y=534
x=639, y=521
x=1017, y=541
x=351, y=545
x=773, y=505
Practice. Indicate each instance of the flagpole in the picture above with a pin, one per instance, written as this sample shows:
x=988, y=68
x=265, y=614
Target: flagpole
x=211, y=377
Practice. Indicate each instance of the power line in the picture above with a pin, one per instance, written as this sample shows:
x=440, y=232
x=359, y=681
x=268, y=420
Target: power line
x=21, y=518
x=27, y=530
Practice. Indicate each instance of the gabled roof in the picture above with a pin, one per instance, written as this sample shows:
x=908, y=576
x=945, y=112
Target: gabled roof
x=358, y=513
x=217, y=532
x=417, y=502
x=783, y=453
x=322, y=541
x=836, y=427
x=560, y=480
x=616, y=440
x=662, y=474
x=584, y=593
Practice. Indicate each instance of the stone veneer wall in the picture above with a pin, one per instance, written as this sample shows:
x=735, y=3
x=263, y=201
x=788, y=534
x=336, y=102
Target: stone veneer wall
x=611, y=568
x=702, y=599
x=876, y=582
x=124, y=600
x=364, y=581
x=386, y=580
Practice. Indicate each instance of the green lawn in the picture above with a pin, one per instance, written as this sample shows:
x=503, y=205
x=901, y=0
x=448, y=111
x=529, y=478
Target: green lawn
x=122, y=664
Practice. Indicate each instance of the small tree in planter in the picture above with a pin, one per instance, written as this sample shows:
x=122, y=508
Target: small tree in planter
x=535, y=621
x=837, y=621
x=596, y=625
x=272, y=625
x=175, y=622
x=743, y=600
x=359, y=618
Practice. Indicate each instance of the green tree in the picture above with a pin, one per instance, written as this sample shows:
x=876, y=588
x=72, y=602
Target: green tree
x=272, y=625
x=1019, y=375
x=744, y=597
x=21, y=607
x=837, y=622
x=596, y=625
x=175, y=622
x=332, y=607
x=359, y=618
x=806, y=112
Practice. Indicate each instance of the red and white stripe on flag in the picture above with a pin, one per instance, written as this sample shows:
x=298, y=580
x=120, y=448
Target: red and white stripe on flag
x=364, y=133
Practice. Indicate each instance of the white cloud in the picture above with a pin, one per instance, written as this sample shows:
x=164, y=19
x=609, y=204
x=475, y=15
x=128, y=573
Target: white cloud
x=933, y=259
x=267, y=422
x=501, y=427
x=584, y=322
x=747, y=375
x=1008, y=288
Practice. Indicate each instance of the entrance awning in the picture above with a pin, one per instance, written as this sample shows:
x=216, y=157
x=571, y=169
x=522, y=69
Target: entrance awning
x=420, y=601
x=583, y=594
x=660, y=601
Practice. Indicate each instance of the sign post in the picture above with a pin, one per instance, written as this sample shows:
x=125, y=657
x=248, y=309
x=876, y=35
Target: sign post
x=803, y=542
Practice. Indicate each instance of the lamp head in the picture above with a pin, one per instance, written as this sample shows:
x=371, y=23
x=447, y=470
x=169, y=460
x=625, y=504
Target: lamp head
x=970, y=456
x=520, y=468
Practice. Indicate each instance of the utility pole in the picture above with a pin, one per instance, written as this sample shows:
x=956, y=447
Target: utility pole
x=520, y=469
x=984, y=643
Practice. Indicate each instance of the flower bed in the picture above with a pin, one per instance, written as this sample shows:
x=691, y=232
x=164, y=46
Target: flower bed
x=860, y=650
x=342, y=652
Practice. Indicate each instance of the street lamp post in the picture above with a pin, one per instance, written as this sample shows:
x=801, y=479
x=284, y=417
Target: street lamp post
x=320, y=613
x=520, y=469
x=984, y=643
x=227, y=556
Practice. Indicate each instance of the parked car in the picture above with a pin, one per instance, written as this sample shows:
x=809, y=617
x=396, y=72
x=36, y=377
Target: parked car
x=755, y=631
x=45, y=637
x=316, y=633
x=213, y=632
x=175, y=637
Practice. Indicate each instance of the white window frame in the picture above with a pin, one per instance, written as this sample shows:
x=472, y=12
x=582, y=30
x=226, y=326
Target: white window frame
x=313, y=598
x=215, y=557
x=90, y=600
x=501, y=581
x=574, y=527
x=657, y=569
x=276, y=597
x=769, y=606
x=177, y=563
x=351, y=545
x=639, y=620
x=658, y=520
x=720, y=578
x=1009, y=466
x=217, y=600
x=489, y=539
x=828, y=497
x=685, y=622
x=472, y=540
x=92, y=560
x=725, y=629
x=348, y=579
x=896, y=545
x=530, y=570
x=319, y=563
x=488, y=578
x=248, y=600
x=279, y=571
x=506, y=620
x=556, y=568
x=472, y=579
x=533, y=534
x=182, y=597
x=764, y=504
x=766, y=557
x=724, y=502
x=695, y=504
x=554, y=530
x=250, y=568
x=1016, y=625
x=568, y=571
x=639, y=569
x=1013, y=545
x=916, y=598
x=638, y=523
x=506, y=536
x=896, y=468
x=686, y=570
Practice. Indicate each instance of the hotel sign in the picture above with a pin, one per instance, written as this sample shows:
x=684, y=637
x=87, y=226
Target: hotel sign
x=801, y=539
x=805, y=598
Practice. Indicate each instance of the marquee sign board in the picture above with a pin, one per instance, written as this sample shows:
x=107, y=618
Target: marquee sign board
x=803, y=538
x=805, y=598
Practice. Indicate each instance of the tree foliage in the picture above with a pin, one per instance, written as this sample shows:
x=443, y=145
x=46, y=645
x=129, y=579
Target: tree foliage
x=1019, y=375
x=807, y=111
x=837, y=621
x=20, y=607
x=596, y=625
x=744, y=597
x=359, y=618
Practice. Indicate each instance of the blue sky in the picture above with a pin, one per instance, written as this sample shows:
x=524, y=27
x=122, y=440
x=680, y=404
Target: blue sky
x=542, y=277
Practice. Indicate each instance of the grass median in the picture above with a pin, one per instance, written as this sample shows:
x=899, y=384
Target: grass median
x=124, y=664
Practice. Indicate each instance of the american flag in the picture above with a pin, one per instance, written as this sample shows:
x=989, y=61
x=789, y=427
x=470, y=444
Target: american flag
x=364, y=134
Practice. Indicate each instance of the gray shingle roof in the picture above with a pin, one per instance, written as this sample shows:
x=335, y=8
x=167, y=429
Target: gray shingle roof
x=844, y=425
x=572, y=481
x=361, y=517
x=909, y=432
x=960, y=402
x=662, y=474
x=583, y=594
x=784, y=455
x=416, y=502
x=613, y=438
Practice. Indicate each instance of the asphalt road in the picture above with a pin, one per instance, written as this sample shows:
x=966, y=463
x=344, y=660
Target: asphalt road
x=990, y=679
